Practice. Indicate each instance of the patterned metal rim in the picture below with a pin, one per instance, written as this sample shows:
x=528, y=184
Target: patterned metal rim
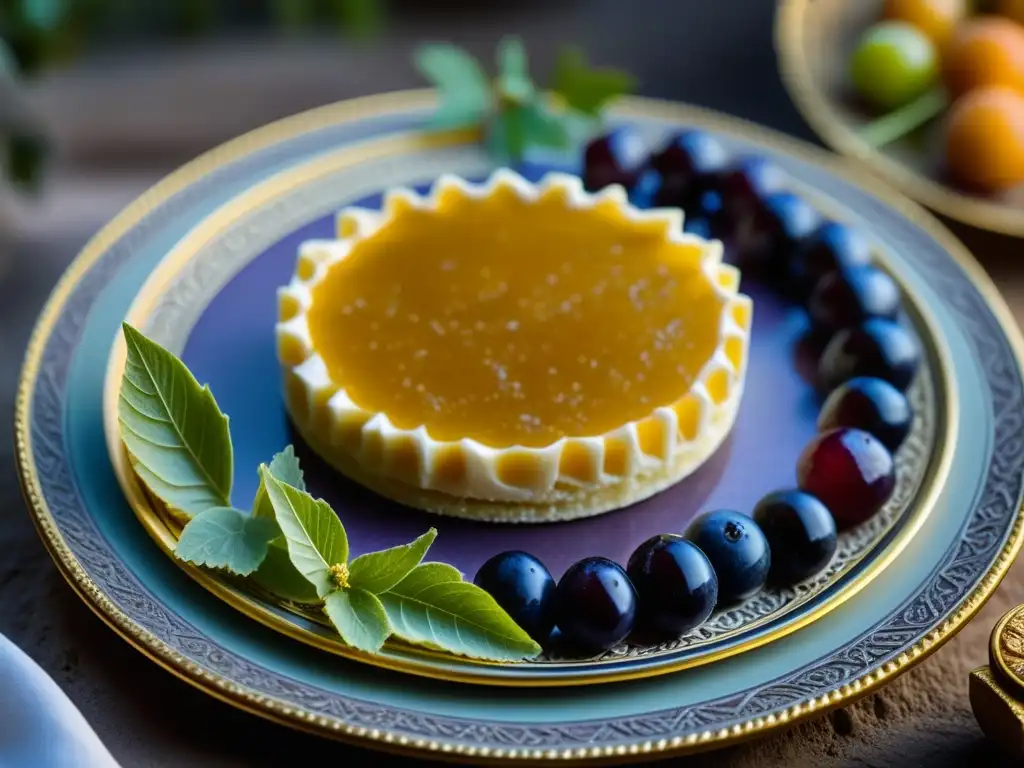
x=812, y=104
x=446, y=747
x=922, y=472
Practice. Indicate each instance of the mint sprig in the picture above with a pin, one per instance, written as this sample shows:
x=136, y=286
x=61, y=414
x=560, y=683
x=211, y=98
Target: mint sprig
x=513, y=113
x=290, y=543
x=378, y=572
x=173, y=429
x=433, y=606
x=317, y=543
x=586, y=89
x=224, y=537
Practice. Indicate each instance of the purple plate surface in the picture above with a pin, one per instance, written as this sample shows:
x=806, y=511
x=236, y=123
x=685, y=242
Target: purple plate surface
x=232, y=348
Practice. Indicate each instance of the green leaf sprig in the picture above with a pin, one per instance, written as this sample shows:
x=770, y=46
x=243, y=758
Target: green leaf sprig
x=290, y=543
x=512, y=112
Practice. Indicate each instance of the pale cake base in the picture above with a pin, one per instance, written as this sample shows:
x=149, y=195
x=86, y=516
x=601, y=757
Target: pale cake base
x=558, y=506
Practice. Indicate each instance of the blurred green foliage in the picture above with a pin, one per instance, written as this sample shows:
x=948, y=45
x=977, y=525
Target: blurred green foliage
x=511, y=111
x=37, y=34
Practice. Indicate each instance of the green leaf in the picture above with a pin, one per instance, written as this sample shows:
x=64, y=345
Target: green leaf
x=358, y=17
x=173, y=428
x=506, y=136
x=463, y=87
x=378, y=572
x=359, y=618
x=194, y=17
x=514, y=81
x=8, y=62
x=277, y=575
x=227, y=538
x=293, y=15
x=588, y=90
x=285, y=467
x=316, y=538
x=27, y=155
x=43, y=14
x=543, y=128
x=434, y=606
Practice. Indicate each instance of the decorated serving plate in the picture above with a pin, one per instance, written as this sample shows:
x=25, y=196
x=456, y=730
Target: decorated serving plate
x=233, y=447
x=944, y=144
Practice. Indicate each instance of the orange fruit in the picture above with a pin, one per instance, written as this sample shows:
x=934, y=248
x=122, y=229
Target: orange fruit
x=987, y=50
x=935, y=18
x=985, y=138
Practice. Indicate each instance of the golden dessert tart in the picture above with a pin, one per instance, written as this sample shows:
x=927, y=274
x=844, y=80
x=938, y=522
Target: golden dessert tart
x=512, y=351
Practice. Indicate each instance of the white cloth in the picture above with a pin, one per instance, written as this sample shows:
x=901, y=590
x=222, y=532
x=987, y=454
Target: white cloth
x=39, y=726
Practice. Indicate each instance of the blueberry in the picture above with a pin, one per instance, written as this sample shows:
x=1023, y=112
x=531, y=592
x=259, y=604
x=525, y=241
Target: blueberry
x=830, y=247
x=690, y=163
x=709, y=204
x=649, y=191
x=779, y=224
x=870, y=404
x=745, y=184
x=736, y=548
x=595, y=605
x=675, y=583
x=879, y=348
x=850, y=296
x=801, y=534
x=521, y=585
x=617, y=158
x=698, y=226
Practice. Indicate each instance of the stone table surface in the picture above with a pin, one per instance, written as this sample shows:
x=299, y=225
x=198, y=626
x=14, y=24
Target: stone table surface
x=124, y=119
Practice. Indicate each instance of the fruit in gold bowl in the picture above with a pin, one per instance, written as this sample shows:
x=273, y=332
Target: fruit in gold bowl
x=935, y=18
x=985, y=138
x=928, y=60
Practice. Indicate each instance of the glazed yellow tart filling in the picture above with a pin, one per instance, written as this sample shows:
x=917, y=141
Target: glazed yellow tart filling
x=513, y=323
x=513, y=342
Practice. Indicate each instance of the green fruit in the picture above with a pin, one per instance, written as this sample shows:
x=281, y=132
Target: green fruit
x=894, y=64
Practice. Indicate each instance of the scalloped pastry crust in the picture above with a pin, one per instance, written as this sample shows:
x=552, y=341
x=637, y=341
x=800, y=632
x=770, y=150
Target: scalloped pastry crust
x=571, y=476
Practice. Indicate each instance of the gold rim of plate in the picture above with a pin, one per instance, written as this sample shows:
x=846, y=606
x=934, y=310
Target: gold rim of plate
x=816, y=108
x=281, y=711
x=164, y=529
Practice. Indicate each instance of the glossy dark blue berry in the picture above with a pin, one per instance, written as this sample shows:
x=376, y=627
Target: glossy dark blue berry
x=709, y=204
x=691, y=162
x=745, y=184
x=617, y=158
x=872, y=405
x=850, y=296
x=779, y=223
x=649, y=191
x=878, y=348
x=595, y=605
x=736, y=548
x=676, y=585
x=704, y=217
x=698, y=226
x=830, y=247
x=801, y=534
x=521, y=585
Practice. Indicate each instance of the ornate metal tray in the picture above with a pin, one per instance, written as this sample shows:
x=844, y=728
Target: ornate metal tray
x=224, y=229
